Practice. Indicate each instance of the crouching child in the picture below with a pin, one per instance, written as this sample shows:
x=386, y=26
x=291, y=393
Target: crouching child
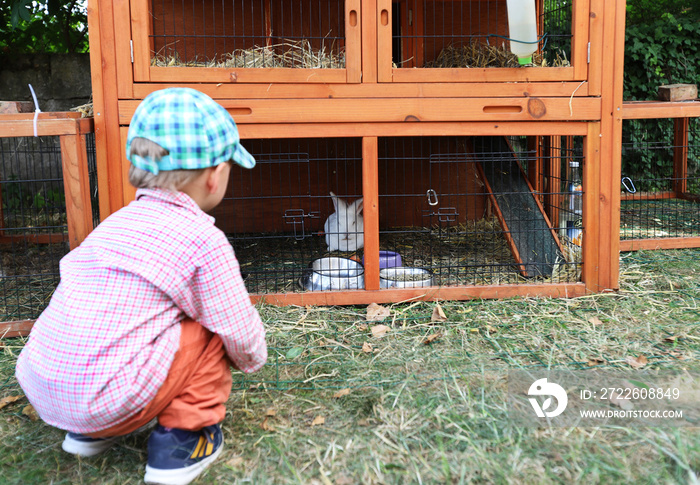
x=151, y=310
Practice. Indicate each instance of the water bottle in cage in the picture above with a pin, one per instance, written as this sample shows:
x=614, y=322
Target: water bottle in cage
x=575, y=213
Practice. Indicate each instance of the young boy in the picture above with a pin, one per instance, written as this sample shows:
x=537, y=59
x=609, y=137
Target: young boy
x=151, y=309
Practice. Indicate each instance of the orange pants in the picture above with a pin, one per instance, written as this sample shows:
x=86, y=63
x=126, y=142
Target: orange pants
x=196, y=389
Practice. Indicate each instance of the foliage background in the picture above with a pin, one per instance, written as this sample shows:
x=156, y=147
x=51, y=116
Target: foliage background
x=661, y=47
x=53, y=26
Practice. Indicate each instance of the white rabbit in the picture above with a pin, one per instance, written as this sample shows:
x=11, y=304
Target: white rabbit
x=345, y=227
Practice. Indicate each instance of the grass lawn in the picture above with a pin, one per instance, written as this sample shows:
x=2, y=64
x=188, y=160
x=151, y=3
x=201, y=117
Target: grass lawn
x=344, y=401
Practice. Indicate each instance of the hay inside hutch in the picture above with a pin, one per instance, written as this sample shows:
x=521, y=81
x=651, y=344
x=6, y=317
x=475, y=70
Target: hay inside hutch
x=248, y=34
x=446, y=34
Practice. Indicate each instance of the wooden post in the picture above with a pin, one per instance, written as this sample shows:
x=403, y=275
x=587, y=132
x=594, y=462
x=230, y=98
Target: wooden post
x=17, y=328
x=534, y=163
x=105, y=101
x=680, y=156
x=579, y=46
x=370, y=190
x=353, y=39
x=380, y=43
x=143, y=44
x=611, y=146
x=76, y=184
x=595, y=48
x=539, y=10
x=552, y=164
x=418, y=39
x=124, y=69
x=267, y=19
x=591, y=195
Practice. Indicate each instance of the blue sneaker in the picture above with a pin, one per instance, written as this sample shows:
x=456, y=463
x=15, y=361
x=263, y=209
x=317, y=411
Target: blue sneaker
x=79, y=444
x=176, y=456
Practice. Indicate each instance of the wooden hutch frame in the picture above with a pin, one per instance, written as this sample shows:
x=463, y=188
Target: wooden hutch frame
x=371, y=99
x=71, y=131
x=681, y=112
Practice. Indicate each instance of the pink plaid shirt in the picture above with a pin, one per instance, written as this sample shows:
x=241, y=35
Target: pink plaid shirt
x=102, y=348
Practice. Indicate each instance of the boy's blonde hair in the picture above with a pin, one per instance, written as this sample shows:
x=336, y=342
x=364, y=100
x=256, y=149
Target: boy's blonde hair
x=169, y=180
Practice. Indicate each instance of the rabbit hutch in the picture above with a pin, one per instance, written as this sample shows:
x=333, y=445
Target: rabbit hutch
x=660, y=201
x=47, y=197
x=403, y=150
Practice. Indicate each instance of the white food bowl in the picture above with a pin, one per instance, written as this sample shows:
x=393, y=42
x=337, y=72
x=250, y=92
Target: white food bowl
x=404, y=277
x=333, y=273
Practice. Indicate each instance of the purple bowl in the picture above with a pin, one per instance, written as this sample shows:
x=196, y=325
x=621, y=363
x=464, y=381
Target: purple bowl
x=387, y=259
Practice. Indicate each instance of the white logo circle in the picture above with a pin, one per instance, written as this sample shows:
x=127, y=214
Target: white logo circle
x=543, y=388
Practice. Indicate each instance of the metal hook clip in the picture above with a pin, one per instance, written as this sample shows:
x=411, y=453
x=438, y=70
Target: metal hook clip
x=432, y=197
x=625, y=181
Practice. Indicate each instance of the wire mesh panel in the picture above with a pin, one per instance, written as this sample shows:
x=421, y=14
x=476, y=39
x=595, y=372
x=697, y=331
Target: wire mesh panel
x=463, y=209
x=34, y=229
x=277, y=215
x=248, y=34
x=661, y=179
x=555, y=20
x=449, y=34
x=561, y=175
x=34, y=232
x=453, y=211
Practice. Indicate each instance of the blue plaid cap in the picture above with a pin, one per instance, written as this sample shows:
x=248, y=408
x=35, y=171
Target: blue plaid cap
x=196, y=130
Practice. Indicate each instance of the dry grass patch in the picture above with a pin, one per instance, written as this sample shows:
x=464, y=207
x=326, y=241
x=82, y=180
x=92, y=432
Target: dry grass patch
x=338, y=403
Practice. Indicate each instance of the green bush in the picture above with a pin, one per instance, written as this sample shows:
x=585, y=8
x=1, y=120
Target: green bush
x=43, y=26
x=661, y=46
